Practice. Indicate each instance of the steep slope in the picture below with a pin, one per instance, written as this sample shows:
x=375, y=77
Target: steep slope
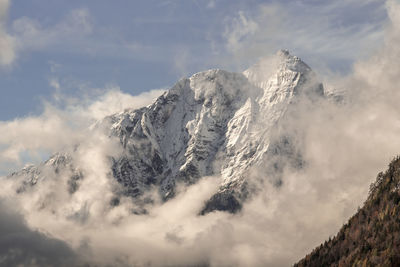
x=372, y=236
x=177, y=138
x=215, y=123
x=58, y=164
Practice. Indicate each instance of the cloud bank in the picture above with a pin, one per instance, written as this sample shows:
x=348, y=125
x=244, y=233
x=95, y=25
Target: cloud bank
x=63, y=123
x=21, y=246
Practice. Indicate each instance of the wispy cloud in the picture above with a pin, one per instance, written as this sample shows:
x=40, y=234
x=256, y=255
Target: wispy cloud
x=236, y=35
x=239, y=29
x=26, y=34
x=31, y=35
x=316, y=29
x=7, y=42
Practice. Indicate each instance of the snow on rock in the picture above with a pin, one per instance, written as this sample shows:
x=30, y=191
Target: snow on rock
x=213, y=123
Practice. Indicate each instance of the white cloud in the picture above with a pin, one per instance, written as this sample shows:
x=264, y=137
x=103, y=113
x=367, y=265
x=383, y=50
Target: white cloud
x=27, y=34
x=20, y=246
x=61, y=124
x=31, y=35
x=240, y=28
x=7, y=42
x=211, y=4
x=320, y=30
x=115, y=101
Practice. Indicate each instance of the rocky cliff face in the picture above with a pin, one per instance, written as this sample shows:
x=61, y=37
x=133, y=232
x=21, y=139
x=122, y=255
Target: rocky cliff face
x=215, y=123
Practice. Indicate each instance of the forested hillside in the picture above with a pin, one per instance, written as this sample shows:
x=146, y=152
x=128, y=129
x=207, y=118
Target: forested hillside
x=372, y=236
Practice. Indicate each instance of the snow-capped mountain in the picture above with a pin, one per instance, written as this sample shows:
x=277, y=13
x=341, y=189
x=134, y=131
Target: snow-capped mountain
x=215, y=123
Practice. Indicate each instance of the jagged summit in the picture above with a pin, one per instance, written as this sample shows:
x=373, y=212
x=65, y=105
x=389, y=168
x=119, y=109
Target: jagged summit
x=214, y=123
x=280, y=61
x=291, y=61
x=278, y=66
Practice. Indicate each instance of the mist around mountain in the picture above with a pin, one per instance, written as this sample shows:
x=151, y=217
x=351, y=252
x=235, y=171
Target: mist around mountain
x=91, y=203
x=371, y=237
x=176, y=171
x=221, y=135
x=215, y=123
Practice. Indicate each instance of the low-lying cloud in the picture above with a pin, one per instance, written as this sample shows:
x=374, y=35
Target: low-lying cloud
x=21, y=246
x=63, y=123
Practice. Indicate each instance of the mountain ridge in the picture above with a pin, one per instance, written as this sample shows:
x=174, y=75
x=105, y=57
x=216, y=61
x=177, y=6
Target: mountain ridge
x=214, y=123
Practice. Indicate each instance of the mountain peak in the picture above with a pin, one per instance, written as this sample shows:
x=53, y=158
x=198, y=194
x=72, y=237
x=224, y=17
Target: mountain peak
x=205, y=125
x=283, y=53
x=283, y=70
x=277, y=64
x=291, y=62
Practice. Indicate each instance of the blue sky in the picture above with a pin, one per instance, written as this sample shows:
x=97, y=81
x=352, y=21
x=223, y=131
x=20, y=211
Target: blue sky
x=72, y=47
